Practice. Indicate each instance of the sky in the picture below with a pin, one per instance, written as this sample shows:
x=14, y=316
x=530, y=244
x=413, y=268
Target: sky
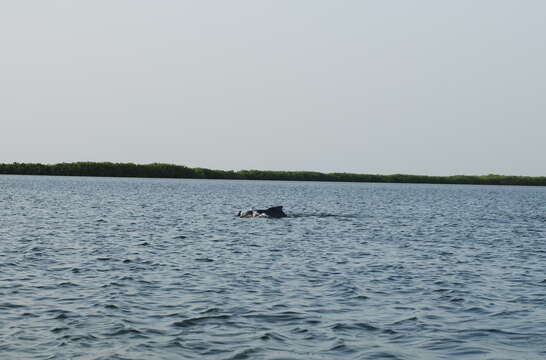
x=421, y=87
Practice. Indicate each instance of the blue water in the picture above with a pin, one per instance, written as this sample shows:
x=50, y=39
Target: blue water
x=103, y=268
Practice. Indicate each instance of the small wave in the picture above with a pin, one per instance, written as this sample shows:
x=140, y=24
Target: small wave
x=176, y=343
x=456, y=299
x=489, y=331
x=275, y=318
x=273, y=336
x=340, y=346
x=62, y=314
x=11, y=306
x=59, y=329
x=154, y=332
x=405, y=321
x=114, y=284
x=245, y=354
x=199, y=320
x=126, y=331
x=510, y=313
x=61, y=317
x=320, y=215
x=383, y=355
x=476, y=310
x=467, y=351
x=210, y=311
x=355, y=326
x=31, y=315
x=86, y=337
x=113, y=357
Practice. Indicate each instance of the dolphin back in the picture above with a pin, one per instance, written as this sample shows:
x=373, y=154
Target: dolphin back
x=275, y=212
x=272, y=212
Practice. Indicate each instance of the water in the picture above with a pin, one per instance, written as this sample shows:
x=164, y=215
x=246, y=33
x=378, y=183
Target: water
x=102, y=268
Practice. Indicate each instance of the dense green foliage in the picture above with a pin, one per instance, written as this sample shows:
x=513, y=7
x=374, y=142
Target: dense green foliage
x=157, y=170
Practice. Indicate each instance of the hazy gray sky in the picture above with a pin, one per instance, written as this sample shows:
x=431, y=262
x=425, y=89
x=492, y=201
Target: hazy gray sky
x=424, y=87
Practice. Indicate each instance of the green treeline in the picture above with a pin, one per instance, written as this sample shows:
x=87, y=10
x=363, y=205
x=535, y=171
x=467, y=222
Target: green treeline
x=158, y=170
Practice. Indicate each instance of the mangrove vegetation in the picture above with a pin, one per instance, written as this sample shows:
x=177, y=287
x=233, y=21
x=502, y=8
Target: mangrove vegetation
x=159, y=170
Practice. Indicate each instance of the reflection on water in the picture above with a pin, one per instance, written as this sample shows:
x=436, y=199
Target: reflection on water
x=100, y=268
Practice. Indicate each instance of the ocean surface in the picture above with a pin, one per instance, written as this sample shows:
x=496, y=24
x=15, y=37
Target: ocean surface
x=117, y=268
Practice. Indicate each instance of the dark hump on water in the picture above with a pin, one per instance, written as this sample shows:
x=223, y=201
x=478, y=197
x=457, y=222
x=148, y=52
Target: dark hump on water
x=275, y=211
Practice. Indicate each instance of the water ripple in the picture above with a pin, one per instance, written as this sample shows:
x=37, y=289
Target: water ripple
x=98, y=268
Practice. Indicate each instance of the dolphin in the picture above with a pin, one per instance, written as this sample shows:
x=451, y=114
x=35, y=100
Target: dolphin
x=272, y=212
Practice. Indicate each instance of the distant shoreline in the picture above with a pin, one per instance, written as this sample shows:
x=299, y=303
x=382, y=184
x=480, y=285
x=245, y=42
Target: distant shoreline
x=160, y=170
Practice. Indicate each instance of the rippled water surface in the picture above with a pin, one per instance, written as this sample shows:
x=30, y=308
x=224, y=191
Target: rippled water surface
x=102, y=268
